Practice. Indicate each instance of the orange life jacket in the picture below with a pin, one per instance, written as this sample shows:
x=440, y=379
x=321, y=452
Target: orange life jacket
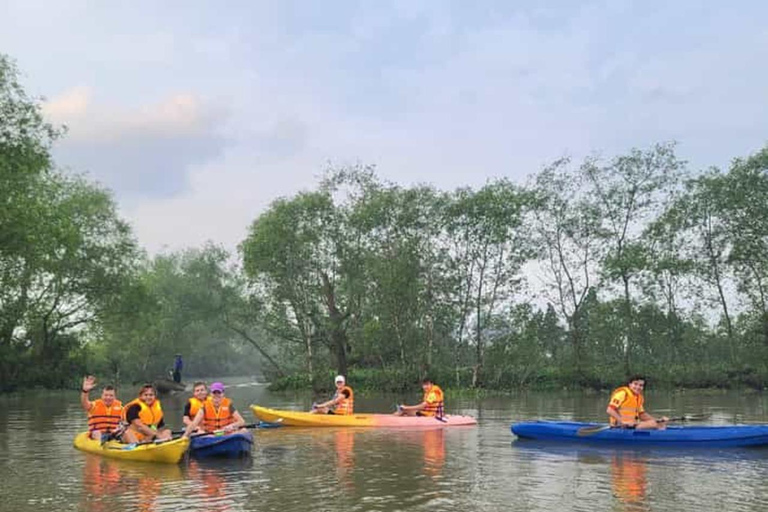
x=434, y=399
x=103, y=418
x=216, y=419
x=347, y=404
x=149, y=415
x=195, y=404
x=627, y=403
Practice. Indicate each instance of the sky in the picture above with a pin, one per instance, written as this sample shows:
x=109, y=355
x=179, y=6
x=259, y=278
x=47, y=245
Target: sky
x=198, y=114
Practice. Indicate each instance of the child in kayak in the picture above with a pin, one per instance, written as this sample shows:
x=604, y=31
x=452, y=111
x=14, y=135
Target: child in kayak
x=343, y=400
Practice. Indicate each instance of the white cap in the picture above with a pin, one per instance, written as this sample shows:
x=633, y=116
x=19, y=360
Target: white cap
x=339, y=378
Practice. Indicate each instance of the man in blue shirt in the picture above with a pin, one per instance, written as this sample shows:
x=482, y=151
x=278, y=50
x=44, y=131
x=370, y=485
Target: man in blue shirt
x=178, y=364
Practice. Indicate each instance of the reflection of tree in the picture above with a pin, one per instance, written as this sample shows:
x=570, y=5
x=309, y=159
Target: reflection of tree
x=629, y=481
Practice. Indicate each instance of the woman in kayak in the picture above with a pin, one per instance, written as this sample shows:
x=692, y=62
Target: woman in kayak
x=103, y=413
x=626, y=407
x=144, y=417
x=431, y=404
x=342, y=403
x=217, y=415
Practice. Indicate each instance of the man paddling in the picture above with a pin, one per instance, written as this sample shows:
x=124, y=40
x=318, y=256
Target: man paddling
x=103, y=413
x=432, y=403
x=144, y=417
x=342, y=403
x=626, y=407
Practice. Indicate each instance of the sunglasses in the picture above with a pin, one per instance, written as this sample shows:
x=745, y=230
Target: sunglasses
x=217, y=392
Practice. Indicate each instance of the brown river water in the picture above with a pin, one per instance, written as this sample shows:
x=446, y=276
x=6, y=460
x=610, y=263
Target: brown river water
x=467, y=468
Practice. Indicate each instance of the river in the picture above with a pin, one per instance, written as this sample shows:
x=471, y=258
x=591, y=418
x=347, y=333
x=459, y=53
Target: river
x=471, y=468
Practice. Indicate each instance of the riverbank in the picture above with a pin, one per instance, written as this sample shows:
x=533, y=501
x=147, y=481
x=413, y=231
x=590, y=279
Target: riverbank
x=396, y=381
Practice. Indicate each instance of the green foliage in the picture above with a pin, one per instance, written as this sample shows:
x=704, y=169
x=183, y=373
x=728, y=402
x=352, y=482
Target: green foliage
x=183, y=303
x=590, y=272
x=64, y=252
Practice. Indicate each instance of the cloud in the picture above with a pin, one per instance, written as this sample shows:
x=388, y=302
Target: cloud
x=199, y=117
x=143, y=151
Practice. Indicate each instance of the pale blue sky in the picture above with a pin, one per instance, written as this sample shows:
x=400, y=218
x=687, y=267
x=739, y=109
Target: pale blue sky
x=198, y=114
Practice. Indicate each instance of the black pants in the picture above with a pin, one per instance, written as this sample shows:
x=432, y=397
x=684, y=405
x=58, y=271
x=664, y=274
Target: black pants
x=176, y=376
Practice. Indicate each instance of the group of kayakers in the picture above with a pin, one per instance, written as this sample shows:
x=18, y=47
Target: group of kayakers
x=343, y=401
x=208, y=410
x=625, y=408
x=142, y=420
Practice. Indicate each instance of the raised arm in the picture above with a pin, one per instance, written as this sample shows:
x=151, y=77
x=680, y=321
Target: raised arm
x=89, y=382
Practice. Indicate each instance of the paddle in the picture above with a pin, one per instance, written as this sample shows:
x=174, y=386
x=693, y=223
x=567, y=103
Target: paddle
x=588, y=431
x=131, y=446
x=260, y=424
x=438, y=418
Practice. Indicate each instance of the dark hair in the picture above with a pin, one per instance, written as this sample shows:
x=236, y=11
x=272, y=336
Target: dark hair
x=633, y=378
x=427, y=379
x=199, y=383
x=146, y=387
x=108, y=387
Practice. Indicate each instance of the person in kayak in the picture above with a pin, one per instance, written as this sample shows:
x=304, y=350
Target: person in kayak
x=626, y=408
x=342, y=403
x=218, y=414
x=144, y=418
x=431, y=404
x=104, y=413
x=195, y=402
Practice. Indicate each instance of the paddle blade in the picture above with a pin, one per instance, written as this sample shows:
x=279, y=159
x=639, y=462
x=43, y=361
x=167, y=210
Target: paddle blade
x=692, y=417
x=588, y=431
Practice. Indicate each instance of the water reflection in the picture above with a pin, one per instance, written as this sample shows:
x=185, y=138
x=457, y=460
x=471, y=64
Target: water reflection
x=479, y=468
x=344, y=445
x=431, y=444
x=107, y=482
x=629, y=480
x=210, y=485
x=101, y=480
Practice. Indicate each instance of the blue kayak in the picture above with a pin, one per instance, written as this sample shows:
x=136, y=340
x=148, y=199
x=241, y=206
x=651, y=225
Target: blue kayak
x=213, y=445
x=673, y=436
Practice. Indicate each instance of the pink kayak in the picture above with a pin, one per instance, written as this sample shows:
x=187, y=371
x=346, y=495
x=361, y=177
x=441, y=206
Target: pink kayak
x=306, y=419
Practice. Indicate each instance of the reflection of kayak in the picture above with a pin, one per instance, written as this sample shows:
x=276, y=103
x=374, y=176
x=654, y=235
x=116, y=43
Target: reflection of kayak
x=672, y=437
x=306, y=419
x=168, y=386
x=230, y=445
x=168, y=451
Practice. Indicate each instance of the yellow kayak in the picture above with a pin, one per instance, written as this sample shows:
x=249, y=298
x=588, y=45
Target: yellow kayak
x=169, y=452
x=306, y=419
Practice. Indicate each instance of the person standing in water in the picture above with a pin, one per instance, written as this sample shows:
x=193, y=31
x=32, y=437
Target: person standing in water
x=178, y=364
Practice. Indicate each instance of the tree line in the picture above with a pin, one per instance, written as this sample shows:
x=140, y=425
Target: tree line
x=586, y=272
